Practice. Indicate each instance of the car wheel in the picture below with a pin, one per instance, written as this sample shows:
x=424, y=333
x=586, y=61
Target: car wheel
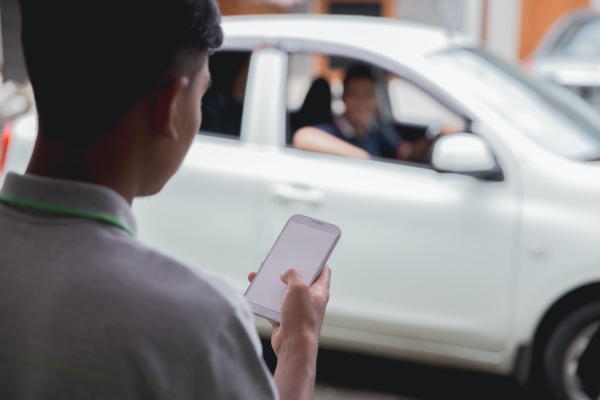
x=572, y=356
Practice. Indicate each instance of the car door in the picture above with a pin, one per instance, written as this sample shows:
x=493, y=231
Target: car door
x=423, y=255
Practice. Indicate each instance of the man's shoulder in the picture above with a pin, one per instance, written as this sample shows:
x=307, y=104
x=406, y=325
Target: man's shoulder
x=152, y=284
x=168, y=296
x=160, y=274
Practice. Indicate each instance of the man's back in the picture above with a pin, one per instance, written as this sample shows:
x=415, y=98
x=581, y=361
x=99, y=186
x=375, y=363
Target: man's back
x=86, y=311
x=89, y=312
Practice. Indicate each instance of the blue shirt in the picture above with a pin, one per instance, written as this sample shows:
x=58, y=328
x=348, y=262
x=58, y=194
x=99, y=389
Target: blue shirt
x=377, y=142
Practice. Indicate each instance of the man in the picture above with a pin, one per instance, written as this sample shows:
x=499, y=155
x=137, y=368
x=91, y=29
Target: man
x=87, y=311
x=358, y=132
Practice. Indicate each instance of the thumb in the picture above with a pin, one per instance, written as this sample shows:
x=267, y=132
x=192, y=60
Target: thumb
x=291, y=276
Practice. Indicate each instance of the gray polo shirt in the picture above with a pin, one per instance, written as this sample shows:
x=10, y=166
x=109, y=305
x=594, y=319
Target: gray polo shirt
x=89, y=312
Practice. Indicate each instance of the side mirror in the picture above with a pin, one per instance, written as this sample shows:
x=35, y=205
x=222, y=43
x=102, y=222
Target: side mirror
x=467, y=154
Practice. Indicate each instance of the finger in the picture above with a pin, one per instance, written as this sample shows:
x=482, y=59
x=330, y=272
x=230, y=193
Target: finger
x=292, y=276
x=450, y=128
x=324, y=278
x=251, y=276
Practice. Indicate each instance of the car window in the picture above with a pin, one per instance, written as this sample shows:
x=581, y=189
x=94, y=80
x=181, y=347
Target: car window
x=358, y=103
x=583, y=41
x=223, y=103
x=412, y=105
x=309, y=92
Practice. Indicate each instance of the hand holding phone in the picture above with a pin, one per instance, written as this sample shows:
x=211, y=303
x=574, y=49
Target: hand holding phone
x=304, y=244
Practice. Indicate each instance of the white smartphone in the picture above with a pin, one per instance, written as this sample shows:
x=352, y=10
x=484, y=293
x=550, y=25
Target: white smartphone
x=305, y=244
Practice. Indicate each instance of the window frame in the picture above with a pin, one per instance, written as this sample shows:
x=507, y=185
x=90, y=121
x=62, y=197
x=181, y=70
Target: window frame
x=381, y=65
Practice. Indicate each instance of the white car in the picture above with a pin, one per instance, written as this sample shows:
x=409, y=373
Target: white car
x=487, y=258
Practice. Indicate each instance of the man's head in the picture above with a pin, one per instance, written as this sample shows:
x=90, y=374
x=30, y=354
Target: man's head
x=359, y=96
x=90, y=62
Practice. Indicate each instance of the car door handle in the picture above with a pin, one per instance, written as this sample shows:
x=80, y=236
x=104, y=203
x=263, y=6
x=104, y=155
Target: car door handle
x=287, y=193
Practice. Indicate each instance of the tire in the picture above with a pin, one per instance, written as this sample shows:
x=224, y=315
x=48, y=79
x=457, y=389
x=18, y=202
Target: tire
x=571, y=359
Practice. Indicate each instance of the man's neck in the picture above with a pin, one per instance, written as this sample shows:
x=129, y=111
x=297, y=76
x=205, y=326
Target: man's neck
x=100, y=164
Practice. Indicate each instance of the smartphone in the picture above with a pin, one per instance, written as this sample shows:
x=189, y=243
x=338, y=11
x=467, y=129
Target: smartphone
x=305, y=244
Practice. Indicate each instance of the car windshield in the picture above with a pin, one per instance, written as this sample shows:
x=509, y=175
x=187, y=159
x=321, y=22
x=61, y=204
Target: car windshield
x=552, y=116
x=581, y=41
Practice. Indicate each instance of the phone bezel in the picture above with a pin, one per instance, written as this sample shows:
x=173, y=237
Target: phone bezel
x=272, y=315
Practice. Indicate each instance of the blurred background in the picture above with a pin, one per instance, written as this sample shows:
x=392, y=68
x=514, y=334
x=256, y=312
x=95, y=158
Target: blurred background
x=510, y=28
x=552, y=39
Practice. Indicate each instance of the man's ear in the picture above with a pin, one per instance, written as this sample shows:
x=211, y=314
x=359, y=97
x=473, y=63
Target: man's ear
x=167, y=103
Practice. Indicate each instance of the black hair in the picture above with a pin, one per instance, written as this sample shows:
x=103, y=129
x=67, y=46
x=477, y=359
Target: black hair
x=358, y=71
x=90, y=62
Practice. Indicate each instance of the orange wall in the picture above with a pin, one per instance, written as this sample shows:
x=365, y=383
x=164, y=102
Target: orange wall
x=244, y=7
x=538, y=15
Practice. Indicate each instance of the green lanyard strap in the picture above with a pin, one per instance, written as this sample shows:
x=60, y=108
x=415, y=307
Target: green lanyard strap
x=72, y=212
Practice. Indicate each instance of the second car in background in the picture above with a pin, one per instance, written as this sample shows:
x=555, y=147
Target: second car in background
x=569, y=55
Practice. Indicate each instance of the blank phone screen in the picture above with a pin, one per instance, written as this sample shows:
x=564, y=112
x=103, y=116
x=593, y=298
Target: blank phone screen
x=299, y=246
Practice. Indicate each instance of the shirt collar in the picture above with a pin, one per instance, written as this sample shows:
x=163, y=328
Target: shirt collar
x=69, y=194
x=346, y=127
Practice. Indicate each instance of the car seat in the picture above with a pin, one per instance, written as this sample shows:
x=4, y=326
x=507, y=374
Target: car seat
x=315, y=109
x=221, y=111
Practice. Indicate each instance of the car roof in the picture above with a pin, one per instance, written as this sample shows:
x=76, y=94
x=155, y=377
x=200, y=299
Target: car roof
x=378, y=34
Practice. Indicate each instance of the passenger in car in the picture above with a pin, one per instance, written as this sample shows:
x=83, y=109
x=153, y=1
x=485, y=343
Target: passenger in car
x=359, y=132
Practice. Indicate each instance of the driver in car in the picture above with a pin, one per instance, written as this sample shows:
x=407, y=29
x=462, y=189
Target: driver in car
x=358, y=132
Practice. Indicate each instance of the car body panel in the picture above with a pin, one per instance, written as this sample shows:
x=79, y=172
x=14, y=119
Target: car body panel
x=425, y=288
x=555, y=260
